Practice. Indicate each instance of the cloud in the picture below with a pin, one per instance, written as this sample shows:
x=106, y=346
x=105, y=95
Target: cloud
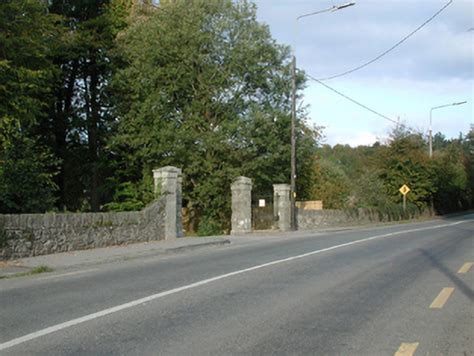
x=351, y=138
x=363, y=139
x=330, y=43
x=433, y=67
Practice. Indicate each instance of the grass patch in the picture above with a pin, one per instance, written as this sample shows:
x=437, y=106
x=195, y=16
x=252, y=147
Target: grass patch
x=36, y=270
x=41, y=269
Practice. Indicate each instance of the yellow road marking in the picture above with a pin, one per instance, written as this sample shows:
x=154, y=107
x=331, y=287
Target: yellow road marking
x=407, y=349
x=442, y=298
x=465, y=267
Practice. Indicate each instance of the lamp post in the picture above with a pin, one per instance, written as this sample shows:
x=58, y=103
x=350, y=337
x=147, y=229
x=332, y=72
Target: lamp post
x=293, y=114
x=430, y=133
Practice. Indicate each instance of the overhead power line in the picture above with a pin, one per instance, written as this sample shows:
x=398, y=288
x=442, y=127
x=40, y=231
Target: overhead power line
x=354, y=101
x=391, y=48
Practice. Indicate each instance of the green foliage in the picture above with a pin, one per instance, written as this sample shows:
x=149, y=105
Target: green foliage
x=209, y=227
x=468, y=160
x=26, y=178
x=406, y=162
x=131, y=196
x=80, y=117
x=55, y=68
x=368, y=190
x=217, y=105
x=96, y=94
x=27, y=167
x=453, y=193
x=41, y=269
x=126, y=198
x=331, y=185
x=33, y=271
x=373, y=175
x=395, y=212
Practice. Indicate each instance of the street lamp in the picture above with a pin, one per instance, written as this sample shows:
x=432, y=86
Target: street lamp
x=430, y=133
x=293, y=115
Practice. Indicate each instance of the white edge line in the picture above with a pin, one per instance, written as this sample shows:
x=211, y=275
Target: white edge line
x=137, y=302
x=67, y=274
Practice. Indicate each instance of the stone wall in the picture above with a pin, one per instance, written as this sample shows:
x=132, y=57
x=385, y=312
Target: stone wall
x=313, y=219
x=29, y=235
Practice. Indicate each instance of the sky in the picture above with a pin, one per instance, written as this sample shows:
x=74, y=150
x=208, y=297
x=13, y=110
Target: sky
x=433, y=67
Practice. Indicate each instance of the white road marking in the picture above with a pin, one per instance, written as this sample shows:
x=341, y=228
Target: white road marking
x=150, y=298
x=67, y=274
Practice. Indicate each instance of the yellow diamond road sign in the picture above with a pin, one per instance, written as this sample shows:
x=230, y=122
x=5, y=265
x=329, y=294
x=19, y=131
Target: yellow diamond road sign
x=404, y=189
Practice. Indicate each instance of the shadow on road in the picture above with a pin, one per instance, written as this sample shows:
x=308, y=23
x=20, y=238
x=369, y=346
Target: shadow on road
x=463, y=287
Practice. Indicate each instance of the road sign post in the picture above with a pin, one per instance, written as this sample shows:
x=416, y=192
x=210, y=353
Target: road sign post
x=404, y=190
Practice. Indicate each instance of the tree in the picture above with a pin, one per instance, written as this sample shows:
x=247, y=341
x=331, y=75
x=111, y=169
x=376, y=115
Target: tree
x=370, y=177
x=330, y=184
x=369, y=191
x=451, y=164
x=468, y=152
x=27, y=167
x=405, y=161
x=81, y=115
x=216, y=105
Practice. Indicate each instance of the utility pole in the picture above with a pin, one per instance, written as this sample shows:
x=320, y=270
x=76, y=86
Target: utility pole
x=293, y=114
x=293, y=144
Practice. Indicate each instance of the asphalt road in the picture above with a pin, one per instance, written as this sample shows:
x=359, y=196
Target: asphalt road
x=405, y=288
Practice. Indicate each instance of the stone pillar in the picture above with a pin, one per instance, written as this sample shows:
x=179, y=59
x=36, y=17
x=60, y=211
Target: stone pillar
x=167, y=182
x=179, y=204
x=282, y=206
x=241, y=206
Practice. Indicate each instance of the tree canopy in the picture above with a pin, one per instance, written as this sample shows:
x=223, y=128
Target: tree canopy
x=376, y=173
x=217, y=104
x=27, y=166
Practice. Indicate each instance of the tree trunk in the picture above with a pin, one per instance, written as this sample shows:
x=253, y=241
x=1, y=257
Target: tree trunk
x=63, y=112
x=93, y=118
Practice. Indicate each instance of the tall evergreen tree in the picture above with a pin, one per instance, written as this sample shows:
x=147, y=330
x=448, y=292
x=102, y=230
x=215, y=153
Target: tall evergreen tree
x=27, y=167
x=81, y=115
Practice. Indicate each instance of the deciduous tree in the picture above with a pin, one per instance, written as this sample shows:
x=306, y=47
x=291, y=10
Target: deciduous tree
x=205, y=88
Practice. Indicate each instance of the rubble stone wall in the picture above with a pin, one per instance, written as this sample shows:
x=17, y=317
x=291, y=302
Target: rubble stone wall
x=27, y=235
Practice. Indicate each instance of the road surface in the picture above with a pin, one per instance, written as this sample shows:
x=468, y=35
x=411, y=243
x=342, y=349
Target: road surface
x=403, y=289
